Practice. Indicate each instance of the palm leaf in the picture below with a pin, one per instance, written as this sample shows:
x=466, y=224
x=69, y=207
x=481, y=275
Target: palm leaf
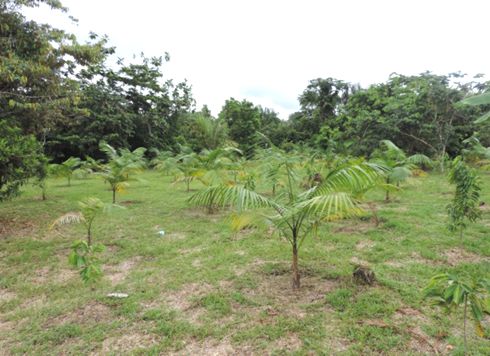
x=481, y=99
x=331, y=206
x=420, y=160
x=71, y=217
x=238, y=196
x=351, y=178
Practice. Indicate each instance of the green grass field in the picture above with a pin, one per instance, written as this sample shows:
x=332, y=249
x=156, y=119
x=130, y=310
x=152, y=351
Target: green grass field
x=202, y=289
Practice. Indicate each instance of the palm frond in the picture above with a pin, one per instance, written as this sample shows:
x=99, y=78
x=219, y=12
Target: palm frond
x=238, y=196
x=331, y=206
x=351, y=178
x=420, y=160
x=72, y=217
x=400, y=174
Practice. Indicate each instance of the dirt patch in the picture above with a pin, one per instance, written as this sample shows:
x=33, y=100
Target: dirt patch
x=188, y=251
x=458, y=255
x=36, y=302
x=212, y=347
x=118, y=273
x=202, y=213
x=277, y=288
x=46, y=275
x=357, y=226
x=358, y=262
x=176, y=236
x=414, y=257
x=6, y=296
x=125, y=343
x=91, y=313
x=6, y=326
x=16, y=227
x=130, y=202
x=365, y=245
x=182, y=299
x=288, y=343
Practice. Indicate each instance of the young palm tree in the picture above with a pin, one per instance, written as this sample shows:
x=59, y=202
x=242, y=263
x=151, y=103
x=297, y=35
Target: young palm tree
x=298, y=212
x=400, y=167
x=117, y=171
x=90, y=208
x=66, y=169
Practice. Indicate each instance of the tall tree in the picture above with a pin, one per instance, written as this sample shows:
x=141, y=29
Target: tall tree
x=38, y=86
x=243, y=120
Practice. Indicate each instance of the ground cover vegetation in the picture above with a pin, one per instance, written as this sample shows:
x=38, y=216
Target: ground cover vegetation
x=382, y=194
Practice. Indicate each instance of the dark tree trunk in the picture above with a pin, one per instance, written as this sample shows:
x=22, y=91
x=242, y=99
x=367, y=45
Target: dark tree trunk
x=89, y=234
x=114, y=196
x=294, y=267
x=387, y=198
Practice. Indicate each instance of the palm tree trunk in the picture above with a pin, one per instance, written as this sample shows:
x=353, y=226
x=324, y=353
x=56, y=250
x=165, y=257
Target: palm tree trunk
x=113, y=195
x=374, y=213
x=387, y=198
x=188, y=185
x=464, y=325
x=89, y=234
x=294, y=267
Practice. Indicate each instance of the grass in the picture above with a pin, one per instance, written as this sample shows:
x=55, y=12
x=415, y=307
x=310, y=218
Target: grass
x=201, y=288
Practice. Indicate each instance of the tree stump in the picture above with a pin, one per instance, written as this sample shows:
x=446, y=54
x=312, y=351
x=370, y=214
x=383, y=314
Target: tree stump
x=363, y=275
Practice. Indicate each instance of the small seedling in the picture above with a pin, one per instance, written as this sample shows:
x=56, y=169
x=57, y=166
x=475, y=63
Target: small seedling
x=453, y=291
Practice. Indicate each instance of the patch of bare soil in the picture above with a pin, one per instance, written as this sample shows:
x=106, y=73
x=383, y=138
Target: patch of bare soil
x=365, y=245
x=118, y=273
x=289, y=343
x=175, y=236
x=46, y=275
x=91, y=313
x=187, y=251
x=410, y=321
x=35, y=303
x=358, y=262
x=458, y=255
x=16, y=227
x=212, y=347
x=357, y=226
x=129, y=202
x=6, y=295
x=125, y=343
x=202, y=213
x=286, y=301
x=414, y=257
x=182, y=299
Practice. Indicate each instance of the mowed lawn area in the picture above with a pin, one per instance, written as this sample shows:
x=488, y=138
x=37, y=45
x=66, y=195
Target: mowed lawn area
x=203, y=289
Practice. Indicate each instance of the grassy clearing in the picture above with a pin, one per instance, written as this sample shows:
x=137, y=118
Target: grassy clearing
x=201, y=289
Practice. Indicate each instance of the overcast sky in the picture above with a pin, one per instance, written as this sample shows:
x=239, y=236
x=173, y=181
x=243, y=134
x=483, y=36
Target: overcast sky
x=267, y=51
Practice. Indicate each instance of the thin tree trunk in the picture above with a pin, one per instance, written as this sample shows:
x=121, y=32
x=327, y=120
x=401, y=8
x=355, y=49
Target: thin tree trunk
x=464, y=325
x=374, y=213
x=387, y=198
x=443, y=155
x=69, y=181
x=294, y=267
x=113, y=195
x=188, y=185
x=89, y=234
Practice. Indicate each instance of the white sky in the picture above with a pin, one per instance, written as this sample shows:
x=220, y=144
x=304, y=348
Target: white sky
x=267, y=51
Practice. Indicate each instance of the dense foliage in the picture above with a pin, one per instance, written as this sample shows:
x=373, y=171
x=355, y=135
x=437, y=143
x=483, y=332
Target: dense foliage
x=69, y=98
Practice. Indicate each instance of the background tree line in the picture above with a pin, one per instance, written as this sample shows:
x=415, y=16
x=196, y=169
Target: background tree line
x=60, y=98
